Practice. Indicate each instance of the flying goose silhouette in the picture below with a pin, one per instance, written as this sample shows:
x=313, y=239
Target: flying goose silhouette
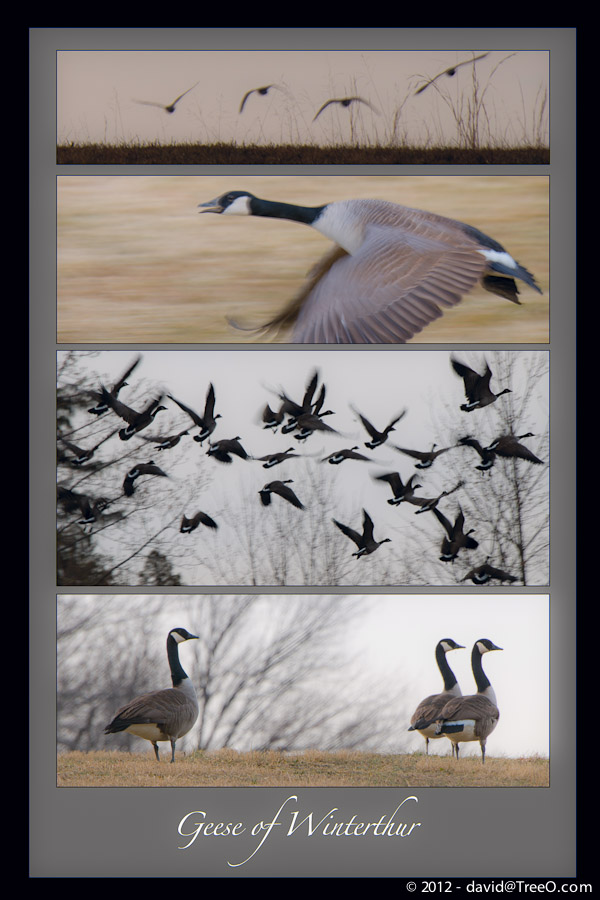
x=136, y=420
x=345, y=102
x=101, y=407
x=456, y=538
x=170, y=108
x=403, y=493
x=426, y=457
x=451, y=70
x=377, y=437
x=280, y=488
x=365, y=542
x=261, y=90
x=207, y=422
x=149, y=468
x=477, y=387
x=223, y=449
x=201, y=518
x=485, y=573
x=391, y=272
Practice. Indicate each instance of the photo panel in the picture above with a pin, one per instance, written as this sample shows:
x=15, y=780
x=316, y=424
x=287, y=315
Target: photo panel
x=282, y=469
x=323, y=259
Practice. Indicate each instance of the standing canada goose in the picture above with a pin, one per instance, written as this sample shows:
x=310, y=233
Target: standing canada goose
x=101, y=407
x=280, y=488
x=81, y=456
x=425, y=715
x=392, y=270
x=339, y=456
x=477, y=387
x=485, y=573
x=345, y=102
x=136, y=420
x=378, y=437
x=426, y=457
x=365, y=542
x=189, y=525
x=223, y=449
x=170, y=108
x=474, y=717
x=164, y=442
x=162, y=715
x=273, y=459
x=149, y=468
x=457, y=538
x=402, y=492
x=207, y=422
x=263, y=91
x=451, y=71
x=431, y=503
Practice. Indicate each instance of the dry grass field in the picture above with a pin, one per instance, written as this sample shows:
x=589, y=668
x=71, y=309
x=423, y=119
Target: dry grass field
x=137, y=263
x=228, y=768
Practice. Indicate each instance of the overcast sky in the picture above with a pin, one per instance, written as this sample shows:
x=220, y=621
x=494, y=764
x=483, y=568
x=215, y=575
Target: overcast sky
x=98, y=94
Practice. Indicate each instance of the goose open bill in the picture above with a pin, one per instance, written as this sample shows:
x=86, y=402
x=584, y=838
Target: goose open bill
x=392, y=270
x=164, y=715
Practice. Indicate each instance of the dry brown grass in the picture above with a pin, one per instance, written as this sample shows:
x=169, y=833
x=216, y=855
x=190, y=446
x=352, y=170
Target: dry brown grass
x=228, y=768
x=138, y=264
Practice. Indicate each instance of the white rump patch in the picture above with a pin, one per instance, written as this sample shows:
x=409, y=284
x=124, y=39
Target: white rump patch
x=498, y=256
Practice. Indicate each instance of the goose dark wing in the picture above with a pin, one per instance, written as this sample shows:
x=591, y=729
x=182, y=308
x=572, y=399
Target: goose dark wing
x=389, y=290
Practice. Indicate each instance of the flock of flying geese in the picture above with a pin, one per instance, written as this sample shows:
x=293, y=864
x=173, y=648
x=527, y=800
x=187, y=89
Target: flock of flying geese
x=344, y=102
x=301, y=420
x=168, y=714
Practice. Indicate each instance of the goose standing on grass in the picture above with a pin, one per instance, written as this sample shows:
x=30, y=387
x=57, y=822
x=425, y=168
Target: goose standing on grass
x=391, y=272
x=457, y=538
x=425, y=715
x=170, y=108
x=365, y=542
x=162, y=715
x=101, y=407
x=451, y=70
x=207, y=422
x=474, y=717
x=477, y=387
x=201, y=518
x=345, y=102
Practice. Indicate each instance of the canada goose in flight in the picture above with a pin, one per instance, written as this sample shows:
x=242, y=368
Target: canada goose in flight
x=345, y=102
x=207, y=422
x=170, y=108
x=189, y=525
x=477, y=387
x=403, y=493
x=81, y=456
x=426, y=457
x=164, y=442
x=162, y=715
x=223, y=449
x=378, y=437
x=292, y=409
x=365, y=542
x=457, y=538
x=339, y=456
x=88, y=507
x=273, y=459
x=101, y=407
x=136, y=420
x=451, y=71
x=391, y=272
x=309, y=422
x=424, y=717
x=431, y=503
x=149, y=468
x=507, y=446
x=485, y=573
x=473, y=717
x=280, y=488
x=261, y=90
x=272, y=419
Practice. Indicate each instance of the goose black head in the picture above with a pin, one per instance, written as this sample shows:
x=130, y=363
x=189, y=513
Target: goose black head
x=234, y=202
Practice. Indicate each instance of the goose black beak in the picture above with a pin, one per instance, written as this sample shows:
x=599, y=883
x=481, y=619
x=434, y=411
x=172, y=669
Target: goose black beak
x=213, y=206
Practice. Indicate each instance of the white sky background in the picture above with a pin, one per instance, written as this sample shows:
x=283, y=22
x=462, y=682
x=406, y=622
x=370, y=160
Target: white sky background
x=379, y=384
x=96, y=91
x=395, y=642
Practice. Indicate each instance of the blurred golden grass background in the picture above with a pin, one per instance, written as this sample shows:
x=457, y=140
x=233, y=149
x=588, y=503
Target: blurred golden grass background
x=137, y=263
x=312, y=768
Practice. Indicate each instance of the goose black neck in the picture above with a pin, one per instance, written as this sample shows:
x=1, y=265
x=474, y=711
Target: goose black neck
x=481, y=679
x=178, y=674
x=446, y=671
x=274, y=210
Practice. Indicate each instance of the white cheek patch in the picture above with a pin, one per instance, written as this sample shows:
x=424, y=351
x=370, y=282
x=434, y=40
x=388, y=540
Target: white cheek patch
x=239, y=207
x=498, y=256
